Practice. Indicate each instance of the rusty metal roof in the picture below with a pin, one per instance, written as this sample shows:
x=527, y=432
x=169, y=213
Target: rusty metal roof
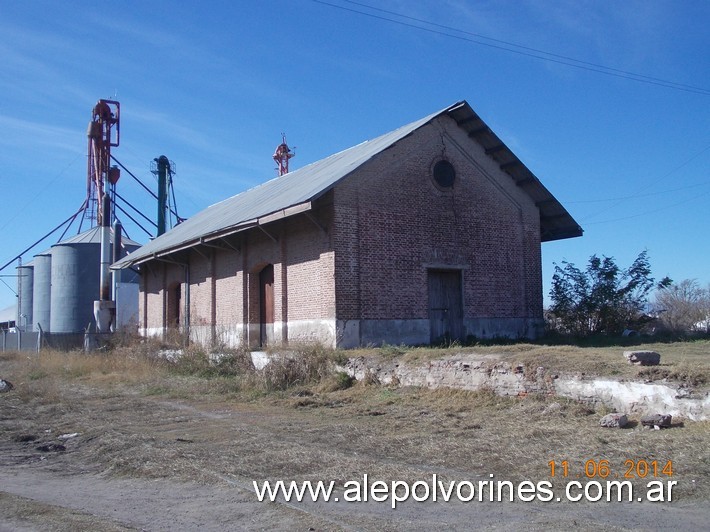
x=293, y=192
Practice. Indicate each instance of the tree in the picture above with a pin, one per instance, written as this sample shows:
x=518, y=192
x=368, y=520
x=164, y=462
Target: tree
x=603, y=298
x=683, y=307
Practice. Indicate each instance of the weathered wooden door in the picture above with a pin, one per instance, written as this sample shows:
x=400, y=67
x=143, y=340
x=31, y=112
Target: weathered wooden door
x=172, y=307
x=445, y=306
x=266, y=304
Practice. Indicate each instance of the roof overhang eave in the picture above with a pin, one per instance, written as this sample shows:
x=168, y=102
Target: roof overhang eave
x=562, y=234
x=477, y=129
x=216, y=235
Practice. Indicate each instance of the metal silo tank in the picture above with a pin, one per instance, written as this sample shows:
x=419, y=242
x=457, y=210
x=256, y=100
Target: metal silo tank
x=41, y=292
x=75, y=283
x=25, y=276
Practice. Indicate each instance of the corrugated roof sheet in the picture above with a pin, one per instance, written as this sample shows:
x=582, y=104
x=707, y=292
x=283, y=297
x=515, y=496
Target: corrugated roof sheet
x=292, y=193
x=93, y=236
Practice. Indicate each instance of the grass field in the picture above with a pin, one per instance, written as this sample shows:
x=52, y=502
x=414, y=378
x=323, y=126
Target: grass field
x=140, y=416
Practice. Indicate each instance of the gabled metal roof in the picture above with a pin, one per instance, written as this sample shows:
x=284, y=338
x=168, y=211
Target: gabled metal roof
x=293, y=192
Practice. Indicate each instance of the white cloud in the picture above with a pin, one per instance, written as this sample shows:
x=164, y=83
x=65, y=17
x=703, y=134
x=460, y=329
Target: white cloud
x=18, y=132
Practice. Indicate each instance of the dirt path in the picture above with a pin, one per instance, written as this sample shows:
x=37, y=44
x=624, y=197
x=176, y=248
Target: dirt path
x=150, y=463
x=38, y=499
x=130, y=503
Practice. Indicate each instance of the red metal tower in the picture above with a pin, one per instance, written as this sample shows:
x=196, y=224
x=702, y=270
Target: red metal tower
x=282, y=155
x=104, y=133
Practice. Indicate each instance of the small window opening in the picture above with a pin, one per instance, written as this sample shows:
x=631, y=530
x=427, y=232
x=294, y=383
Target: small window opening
x=444, y=174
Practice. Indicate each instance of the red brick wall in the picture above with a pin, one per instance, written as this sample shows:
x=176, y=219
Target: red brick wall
x=310, y=266
x=150, y=303
x=224, y=283
x=156, y=278
x=201, y=287
x=228, y=288
x=392, y=223
x=262, y=250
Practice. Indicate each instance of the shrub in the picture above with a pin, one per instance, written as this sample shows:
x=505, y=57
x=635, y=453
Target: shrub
x=304, y=365
x=603, y=298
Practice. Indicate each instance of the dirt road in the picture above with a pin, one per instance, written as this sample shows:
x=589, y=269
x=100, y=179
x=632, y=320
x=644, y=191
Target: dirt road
x=147, y=462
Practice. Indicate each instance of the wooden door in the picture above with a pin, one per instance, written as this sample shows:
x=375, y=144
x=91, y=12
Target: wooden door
x=174, y=300
x=266, y=304
x=445, y=306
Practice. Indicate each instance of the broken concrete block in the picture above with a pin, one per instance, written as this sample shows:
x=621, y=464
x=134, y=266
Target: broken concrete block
x=657, y=420
x=643, y=358
x=614, y=421
x=5, y=386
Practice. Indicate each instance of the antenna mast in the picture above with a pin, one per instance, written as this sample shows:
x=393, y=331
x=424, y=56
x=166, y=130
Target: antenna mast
x=282, y=155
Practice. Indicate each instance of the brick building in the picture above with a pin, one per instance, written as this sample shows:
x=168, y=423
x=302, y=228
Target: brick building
x=431, y=231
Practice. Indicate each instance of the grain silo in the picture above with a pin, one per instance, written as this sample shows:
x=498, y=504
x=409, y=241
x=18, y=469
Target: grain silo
x=25, y=276
x=41, y=292
x=75, y=281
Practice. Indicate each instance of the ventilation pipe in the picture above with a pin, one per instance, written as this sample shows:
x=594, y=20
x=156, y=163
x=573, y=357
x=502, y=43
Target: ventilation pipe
x=163, y=169
x=105, y=308
x=117, y=255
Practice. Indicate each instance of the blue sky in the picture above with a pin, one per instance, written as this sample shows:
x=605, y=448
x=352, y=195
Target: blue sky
x=213, y=87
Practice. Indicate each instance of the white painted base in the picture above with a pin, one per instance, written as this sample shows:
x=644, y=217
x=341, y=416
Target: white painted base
x=348, y=334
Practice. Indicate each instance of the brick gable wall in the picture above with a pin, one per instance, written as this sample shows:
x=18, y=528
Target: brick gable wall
x=393, y=224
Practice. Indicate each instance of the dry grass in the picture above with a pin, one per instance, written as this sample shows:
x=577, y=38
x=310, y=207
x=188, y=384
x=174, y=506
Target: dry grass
x=684, y=361
x=40, y=375
x=195, y=420
x=49, y=517
x=300, y=366
x=194, y=372
x=410, y=433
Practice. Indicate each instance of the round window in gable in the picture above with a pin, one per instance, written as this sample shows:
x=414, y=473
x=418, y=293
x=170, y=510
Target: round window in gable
x=444, y=174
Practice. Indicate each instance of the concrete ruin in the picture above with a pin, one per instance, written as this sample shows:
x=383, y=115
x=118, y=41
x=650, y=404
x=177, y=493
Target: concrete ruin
x=478, y=372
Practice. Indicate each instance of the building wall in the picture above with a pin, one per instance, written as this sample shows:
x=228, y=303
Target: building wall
x=223, y=295
x=154, y=306
x=354, y=270
x=229, y=293
x=201, y=296
x=263, y=247
x=393, y=224
x=310, y=302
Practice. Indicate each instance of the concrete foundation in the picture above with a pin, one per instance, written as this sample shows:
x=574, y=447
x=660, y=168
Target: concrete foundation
x=475, y=372
x=348, y=334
